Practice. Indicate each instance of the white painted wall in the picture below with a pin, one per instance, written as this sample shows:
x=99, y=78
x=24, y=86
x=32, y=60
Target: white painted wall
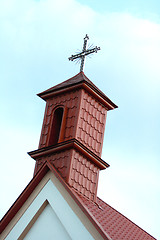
x=57, y=220
x=48, y=226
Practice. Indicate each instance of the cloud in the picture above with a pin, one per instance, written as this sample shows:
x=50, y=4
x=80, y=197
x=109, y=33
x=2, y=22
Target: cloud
x=47, y=32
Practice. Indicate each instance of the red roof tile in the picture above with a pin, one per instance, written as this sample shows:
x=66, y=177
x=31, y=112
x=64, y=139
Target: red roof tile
x=113, y=223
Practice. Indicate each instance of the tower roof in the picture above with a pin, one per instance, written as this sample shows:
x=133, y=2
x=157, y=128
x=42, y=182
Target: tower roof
x=78, y=81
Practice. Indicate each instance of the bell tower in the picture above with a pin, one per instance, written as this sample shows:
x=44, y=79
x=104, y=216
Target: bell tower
x=72, y=133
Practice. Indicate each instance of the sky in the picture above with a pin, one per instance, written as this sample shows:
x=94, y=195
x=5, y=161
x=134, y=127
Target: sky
x=36, y=39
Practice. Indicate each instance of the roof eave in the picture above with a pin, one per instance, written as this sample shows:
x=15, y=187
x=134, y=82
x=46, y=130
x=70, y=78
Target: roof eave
x=94, y=91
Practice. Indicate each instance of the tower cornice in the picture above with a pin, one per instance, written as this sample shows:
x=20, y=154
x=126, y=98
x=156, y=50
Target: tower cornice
x=70, y=144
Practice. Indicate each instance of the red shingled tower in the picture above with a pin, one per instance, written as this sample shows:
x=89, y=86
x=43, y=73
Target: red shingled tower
x=72, y=133
x=67, y=164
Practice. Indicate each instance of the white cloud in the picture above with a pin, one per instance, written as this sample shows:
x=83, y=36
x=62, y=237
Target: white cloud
x=52, y=29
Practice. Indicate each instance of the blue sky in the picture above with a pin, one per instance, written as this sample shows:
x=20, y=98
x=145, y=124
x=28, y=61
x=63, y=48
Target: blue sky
x=135, y=7
x=36, y=39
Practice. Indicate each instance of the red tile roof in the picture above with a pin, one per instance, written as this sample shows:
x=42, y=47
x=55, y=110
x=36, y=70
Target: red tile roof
x=75, y=81
x=111, y=224
x=116, y=225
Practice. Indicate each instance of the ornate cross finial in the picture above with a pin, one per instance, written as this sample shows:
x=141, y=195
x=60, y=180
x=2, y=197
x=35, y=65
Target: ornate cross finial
x=84, y=53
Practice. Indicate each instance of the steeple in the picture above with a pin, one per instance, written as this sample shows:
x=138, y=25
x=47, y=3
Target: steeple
x=72, y=133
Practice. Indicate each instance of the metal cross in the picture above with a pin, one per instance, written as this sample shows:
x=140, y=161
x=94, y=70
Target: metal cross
x=84, y=53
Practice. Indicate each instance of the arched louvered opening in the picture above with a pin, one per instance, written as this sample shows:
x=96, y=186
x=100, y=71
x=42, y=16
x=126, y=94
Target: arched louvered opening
x=56, y=126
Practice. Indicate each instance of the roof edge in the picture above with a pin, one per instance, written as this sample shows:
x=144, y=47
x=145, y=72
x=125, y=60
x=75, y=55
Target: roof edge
x=78, y=81
x=72, y=143
x=126, y=218
x=6, y=219
x=28, y=191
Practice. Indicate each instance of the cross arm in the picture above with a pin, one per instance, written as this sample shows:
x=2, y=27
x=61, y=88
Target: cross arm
x=83, y=53
x=89, y=51
x=73, y=57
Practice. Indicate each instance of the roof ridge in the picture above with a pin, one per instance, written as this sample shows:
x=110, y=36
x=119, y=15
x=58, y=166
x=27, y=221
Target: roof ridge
x=79, y=80
x=60, y=84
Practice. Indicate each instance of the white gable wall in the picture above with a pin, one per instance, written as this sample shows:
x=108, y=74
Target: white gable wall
x=60, y=219
x=47, y=226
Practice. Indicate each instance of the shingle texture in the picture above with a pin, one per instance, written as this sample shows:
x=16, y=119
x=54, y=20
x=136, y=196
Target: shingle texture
x=85, y=119
x=69, y=100
x=83, y=175
x=60, y=160
x=91, y=123
x=80, y=173
x=116, y=225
